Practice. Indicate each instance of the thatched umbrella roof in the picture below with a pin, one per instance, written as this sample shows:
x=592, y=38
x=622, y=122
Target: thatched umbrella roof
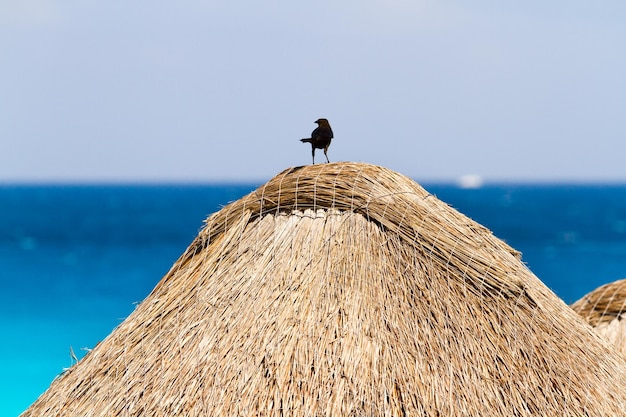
x=605, y=309
x=345, y=289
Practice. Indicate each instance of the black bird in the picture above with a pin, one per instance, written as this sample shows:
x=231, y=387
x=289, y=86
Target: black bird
x=320, y=138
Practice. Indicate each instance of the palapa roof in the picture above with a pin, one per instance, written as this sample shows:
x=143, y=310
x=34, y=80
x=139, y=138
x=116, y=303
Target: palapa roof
x=605, y=309
x=345, y=289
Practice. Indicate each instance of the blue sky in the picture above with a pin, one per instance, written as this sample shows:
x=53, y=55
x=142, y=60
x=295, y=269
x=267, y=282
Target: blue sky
x=222, y=90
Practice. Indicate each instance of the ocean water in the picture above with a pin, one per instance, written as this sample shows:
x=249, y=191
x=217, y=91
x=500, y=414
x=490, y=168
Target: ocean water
x=76, y=259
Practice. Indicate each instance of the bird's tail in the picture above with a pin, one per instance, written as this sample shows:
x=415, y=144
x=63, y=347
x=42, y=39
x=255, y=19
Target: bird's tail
x=306, y=140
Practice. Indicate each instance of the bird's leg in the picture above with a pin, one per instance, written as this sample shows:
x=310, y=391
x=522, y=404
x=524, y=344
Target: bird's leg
x=326, y=155
x=313, y=153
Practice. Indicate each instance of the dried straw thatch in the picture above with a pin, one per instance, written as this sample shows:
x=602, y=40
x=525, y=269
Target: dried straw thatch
x=345, y=289
x=605, y=309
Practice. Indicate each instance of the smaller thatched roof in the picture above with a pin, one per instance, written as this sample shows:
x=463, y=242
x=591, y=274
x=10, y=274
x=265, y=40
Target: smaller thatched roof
x=605, y=309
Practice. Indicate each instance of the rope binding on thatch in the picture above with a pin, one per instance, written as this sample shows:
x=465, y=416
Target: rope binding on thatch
x=358, y=188
x=604, y=304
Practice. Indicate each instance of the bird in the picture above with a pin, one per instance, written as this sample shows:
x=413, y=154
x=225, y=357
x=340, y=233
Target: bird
x=320, y=138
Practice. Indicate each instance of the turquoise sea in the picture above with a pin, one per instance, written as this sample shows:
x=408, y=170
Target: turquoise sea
x=76, y=259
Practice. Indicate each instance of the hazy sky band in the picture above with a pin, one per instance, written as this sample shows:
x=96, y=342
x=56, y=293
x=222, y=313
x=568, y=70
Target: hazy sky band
x=201, y=91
